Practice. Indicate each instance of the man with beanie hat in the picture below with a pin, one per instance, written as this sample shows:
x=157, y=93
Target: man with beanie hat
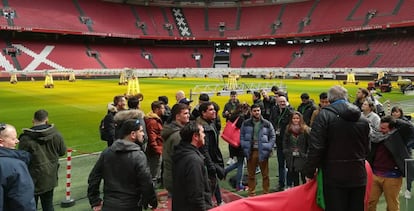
x=203, y=98
x=306, y=108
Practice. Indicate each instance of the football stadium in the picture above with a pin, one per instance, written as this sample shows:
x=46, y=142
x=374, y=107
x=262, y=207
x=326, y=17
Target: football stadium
x=71, y=57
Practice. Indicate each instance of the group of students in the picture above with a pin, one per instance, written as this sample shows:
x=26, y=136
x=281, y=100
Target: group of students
x=192, y=162
x=159, y=143
x=31, y=172
x=187, y=145
x=391, y=139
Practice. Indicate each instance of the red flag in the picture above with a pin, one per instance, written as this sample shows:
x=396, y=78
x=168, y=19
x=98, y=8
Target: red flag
x=285, y=200
x=288, y=199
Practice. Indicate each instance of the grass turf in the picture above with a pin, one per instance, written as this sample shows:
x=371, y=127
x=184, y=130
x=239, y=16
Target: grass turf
x=77, y=107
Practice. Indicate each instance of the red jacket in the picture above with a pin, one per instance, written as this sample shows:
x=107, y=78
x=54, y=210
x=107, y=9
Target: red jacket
x=154, y=127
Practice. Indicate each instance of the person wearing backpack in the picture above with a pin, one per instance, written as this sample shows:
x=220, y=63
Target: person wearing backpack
x=107, y=126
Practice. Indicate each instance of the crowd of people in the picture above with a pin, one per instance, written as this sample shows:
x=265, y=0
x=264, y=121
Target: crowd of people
x=178, y=148
x=326, y=139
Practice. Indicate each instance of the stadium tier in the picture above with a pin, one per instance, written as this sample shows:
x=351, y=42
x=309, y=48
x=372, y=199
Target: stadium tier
x=393, y=50
x=64, y=34
x=96, y=17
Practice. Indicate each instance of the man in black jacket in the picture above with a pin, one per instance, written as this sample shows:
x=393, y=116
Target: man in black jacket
x=279, y=117
x=191, y=191
x=211, y=149
x=306, y=108
x=387, y=158
x=107, y=126
x=124, y=169
x=339, y=146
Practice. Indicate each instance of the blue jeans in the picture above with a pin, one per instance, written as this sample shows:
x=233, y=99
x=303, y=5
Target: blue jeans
x=281, y=162
x=46, y=199
x=239, y=166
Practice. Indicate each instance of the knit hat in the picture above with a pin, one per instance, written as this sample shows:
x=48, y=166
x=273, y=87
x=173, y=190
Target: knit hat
x=204, y=97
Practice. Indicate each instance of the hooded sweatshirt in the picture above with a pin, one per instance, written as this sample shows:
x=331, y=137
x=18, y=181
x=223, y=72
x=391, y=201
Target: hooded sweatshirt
x=46, y=145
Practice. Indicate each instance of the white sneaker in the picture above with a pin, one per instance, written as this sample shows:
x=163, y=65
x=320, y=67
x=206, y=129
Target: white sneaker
x=230, y=161
x=222, y=203
x=407, y=194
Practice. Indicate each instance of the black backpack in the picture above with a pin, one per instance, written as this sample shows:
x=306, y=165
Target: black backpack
x=105, y=130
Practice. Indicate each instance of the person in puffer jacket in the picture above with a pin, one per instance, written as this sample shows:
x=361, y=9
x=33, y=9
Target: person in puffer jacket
x=257, y=137
x=16, y=185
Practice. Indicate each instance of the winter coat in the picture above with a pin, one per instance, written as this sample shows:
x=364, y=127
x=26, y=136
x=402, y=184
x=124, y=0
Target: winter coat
x=339, y=142
x=307, y=110
x=397, y=146
x=268, y=103
x=191, y=189
x=171, y=135
x=210, y=150
x=267, y=138
x=280, y=119
x=127, y=178
x=16, y=186
x=298, y=144
x=406, y=130
x=109, y=124
x=230, y=107
x=46, y=145
x=154, y=126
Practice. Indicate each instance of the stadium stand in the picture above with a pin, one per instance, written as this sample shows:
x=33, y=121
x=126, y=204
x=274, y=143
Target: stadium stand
x=224, y=20
x=325, y=20
x=63, y=13
x=275, y=56
x=293, y=16
x=307, y=34
x=109, y=18
x=258, y=20
x=393, y=51
x=64, y=55
x=95, y=17
x=196, y=21
x=324, y=54
x=369, y=10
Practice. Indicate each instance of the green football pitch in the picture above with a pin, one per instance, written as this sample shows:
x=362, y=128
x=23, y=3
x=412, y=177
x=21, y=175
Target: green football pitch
x=76, y=109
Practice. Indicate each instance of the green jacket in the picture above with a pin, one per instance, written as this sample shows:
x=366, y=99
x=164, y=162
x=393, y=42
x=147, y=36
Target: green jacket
x=46, y=145
x=171, y=135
